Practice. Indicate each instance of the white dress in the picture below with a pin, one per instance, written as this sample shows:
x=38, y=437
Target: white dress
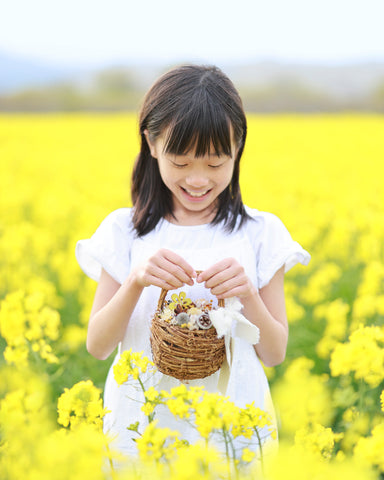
x=262, y=245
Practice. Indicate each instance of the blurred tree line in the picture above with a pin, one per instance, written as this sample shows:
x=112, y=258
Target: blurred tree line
x=118, y=90
x=109, y=90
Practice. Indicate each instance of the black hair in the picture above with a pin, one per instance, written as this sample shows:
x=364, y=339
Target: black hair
x=200, y=109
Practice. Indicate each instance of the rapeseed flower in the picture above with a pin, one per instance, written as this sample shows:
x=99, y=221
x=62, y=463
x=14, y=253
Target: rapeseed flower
x=302, y=398
x=157, y=443
x=362, y=355
x=320, y=283
x=318, y=439
x=80, y=404
x=27, y=325
x=199, y=461
x=370, y=449
x=329, y=194
x=130, y=364
x=296, y=463
x=336, y=315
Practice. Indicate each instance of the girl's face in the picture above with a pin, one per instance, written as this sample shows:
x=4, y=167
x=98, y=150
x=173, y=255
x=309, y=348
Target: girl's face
x=195, y=182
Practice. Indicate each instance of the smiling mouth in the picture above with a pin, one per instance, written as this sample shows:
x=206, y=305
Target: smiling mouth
x=196, y=194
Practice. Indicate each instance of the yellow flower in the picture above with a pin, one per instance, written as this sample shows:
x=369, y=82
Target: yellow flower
x=370, y=449
x=213, y=413
x=156, y=443
x=362, y=355
x=335, y=212
x=296, y=463
x=179, y=300
x=179, y=407
x=26, y=323
x=252, y=418
x=335, y=313
x=247, y=455
x=148, y=408
x=318, y=439
x=320, y=282
x=302, y=398
x=357, y=424
x=130, y=364
x=199, y=461
x=81, y=404
x=151, y=394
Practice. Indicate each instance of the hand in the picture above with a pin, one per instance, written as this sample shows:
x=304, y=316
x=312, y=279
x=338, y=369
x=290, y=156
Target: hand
x=165, y=269
x=227, y=279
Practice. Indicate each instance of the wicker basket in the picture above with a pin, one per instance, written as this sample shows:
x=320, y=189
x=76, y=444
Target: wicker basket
x=182, y=353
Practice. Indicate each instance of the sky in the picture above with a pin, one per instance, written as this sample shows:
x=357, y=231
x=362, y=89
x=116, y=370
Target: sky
x=103, y=32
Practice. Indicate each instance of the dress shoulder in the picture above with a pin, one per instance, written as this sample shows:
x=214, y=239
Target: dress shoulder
x=109, y=247
x=274, y=245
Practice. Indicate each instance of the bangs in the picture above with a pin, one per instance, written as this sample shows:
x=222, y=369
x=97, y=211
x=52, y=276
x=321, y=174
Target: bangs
x=203, y=128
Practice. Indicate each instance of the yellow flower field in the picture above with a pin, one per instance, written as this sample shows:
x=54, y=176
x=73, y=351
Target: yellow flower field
x=60, y=175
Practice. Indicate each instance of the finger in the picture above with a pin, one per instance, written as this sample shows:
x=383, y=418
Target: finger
x=167, y=262
x=215, y=269
x=180, y=262
x=230, y=285
x=167, y=276
x=182, y=265
x=159, y=282
x=224, y=276
x=234, y=292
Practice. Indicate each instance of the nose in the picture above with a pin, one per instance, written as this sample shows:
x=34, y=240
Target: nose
x=197, y=179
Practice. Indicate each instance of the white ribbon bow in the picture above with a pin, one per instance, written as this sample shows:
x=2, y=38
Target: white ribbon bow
x=229, y=322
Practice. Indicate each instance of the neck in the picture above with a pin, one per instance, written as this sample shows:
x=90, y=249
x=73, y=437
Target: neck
x=190, y=218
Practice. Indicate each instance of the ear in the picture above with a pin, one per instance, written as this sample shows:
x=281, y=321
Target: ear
x=151, y=144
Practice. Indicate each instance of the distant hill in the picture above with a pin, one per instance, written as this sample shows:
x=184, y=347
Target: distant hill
x=265, y=86
x=343, y=80
x=17, y=73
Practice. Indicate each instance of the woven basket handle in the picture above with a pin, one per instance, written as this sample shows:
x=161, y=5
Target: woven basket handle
x=164, y=292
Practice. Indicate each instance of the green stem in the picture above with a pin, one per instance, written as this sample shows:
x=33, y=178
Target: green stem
x=113, y=472
x=362, y=390
x=141, y=384
x=227, y=451
x=151, y=416
x=261, y=449
x=233, y=454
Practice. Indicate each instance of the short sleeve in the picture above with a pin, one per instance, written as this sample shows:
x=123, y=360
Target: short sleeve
x=276, y=249
x=108, y=248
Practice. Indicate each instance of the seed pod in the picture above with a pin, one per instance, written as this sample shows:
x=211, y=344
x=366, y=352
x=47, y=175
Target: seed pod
x=204, y=322
x=182, y=318
x=178, y=308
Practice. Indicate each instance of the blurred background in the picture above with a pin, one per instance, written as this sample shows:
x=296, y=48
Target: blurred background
x=296, y=56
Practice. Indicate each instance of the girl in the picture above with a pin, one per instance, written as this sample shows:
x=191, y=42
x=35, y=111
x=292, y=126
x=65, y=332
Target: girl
x=188, y=215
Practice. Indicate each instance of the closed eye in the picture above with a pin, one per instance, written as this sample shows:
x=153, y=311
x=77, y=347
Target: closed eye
x=219, y=160
x=179, y=165
x=215, y=166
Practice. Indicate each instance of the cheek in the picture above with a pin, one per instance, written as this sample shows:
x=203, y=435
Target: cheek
x=226, y=176
x=162, y=170
x=167, y=176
